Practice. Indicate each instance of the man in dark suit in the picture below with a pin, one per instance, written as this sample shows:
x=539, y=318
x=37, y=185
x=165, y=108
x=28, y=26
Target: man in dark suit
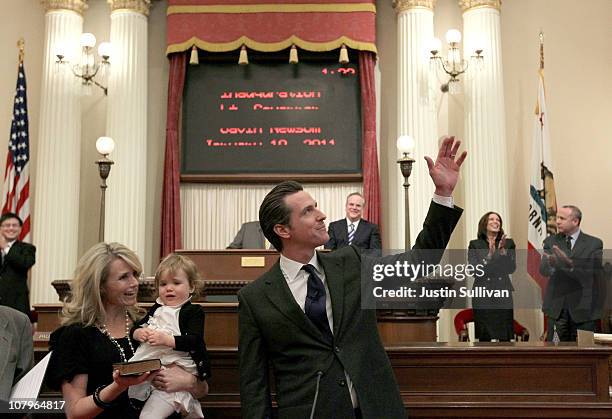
x=249, y=236
x=303, y=318
x=17, y=259
x=573, y=261
x=16, y=352
x=353, y=229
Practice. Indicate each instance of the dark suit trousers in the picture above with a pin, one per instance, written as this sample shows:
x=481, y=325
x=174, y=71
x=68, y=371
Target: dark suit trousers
x=567, y=329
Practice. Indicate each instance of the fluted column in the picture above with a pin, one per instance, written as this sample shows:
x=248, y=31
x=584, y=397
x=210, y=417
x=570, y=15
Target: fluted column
x=58, y=157
x=126, y=123
x=416, y=113
x=486, y=174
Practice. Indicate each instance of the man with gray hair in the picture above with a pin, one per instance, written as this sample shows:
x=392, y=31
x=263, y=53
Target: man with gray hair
x=572, y=260
x=353, y=230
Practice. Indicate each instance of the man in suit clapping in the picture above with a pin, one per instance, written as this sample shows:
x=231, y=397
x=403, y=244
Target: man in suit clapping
x=353, y=229
x=17, y=258
x=572, y=260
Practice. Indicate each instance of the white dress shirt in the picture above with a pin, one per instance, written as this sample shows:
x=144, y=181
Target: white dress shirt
x=349, y=222
x=447, y=201
x=574, y=238
x=8, y=248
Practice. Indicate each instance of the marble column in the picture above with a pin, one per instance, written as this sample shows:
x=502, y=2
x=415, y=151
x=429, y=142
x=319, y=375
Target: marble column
x=126, y=123
x=416, y=111
x=58, y=156
x=486, y=173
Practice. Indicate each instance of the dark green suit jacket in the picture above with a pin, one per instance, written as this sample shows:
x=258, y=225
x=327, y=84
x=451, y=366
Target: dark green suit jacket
x=275, y=332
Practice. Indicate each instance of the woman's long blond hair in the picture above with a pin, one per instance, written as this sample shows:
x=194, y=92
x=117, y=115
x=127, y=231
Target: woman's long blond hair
x=85, y=303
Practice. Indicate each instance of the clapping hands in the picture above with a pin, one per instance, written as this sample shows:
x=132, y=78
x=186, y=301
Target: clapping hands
x=558, y=258
x=501, y=246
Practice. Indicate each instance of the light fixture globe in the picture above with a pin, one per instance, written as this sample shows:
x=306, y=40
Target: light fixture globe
x=105, y=50
x=453, y=36
x=60, y=50
x=405, y=144
x=435, y=46
x=477, y=46
x=105, y=145
x=88, y=40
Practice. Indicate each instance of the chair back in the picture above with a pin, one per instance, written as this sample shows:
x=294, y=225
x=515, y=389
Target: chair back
x=461, y=321
x=466, y=316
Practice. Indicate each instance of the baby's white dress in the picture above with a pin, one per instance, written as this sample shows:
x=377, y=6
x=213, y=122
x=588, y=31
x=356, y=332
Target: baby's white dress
x=166, y=318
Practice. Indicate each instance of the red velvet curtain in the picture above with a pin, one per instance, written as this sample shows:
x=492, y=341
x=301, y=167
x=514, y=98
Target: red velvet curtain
x=171, y=198
x=371, y=179
x=271, y=25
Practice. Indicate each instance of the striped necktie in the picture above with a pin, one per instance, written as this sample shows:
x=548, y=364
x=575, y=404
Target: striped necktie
x=351, y=233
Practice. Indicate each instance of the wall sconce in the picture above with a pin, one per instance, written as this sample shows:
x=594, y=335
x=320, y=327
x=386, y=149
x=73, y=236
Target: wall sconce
x=88, y=67
x=105, y=146
x=453, y=64
x=405, y=144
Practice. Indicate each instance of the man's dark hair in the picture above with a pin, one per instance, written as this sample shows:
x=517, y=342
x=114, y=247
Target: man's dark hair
x=8, y=216
x=576, y=213
x=273, y=210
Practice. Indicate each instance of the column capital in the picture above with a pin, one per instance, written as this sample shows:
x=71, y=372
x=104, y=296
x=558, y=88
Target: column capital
x=138, y=6
x=403, y=5
x=78, y=6
x=473, y=4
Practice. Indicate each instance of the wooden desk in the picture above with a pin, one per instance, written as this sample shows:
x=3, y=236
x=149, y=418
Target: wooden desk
x=232, y=264
x=470, y=380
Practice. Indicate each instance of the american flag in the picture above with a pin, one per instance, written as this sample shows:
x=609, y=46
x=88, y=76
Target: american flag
x=16, y=175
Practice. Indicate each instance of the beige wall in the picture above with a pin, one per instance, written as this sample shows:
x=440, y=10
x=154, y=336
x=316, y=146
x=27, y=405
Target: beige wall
x=20, y=19
x=578, y=63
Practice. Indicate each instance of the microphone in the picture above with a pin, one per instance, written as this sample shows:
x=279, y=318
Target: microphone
x=316, y=396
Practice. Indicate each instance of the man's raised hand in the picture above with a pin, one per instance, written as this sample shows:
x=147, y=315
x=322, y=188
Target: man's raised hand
x=445, y=171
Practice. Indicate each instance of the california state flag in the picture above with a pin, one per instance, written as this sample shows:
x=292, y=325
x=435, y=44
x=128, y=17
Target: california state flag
x=542, y=198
